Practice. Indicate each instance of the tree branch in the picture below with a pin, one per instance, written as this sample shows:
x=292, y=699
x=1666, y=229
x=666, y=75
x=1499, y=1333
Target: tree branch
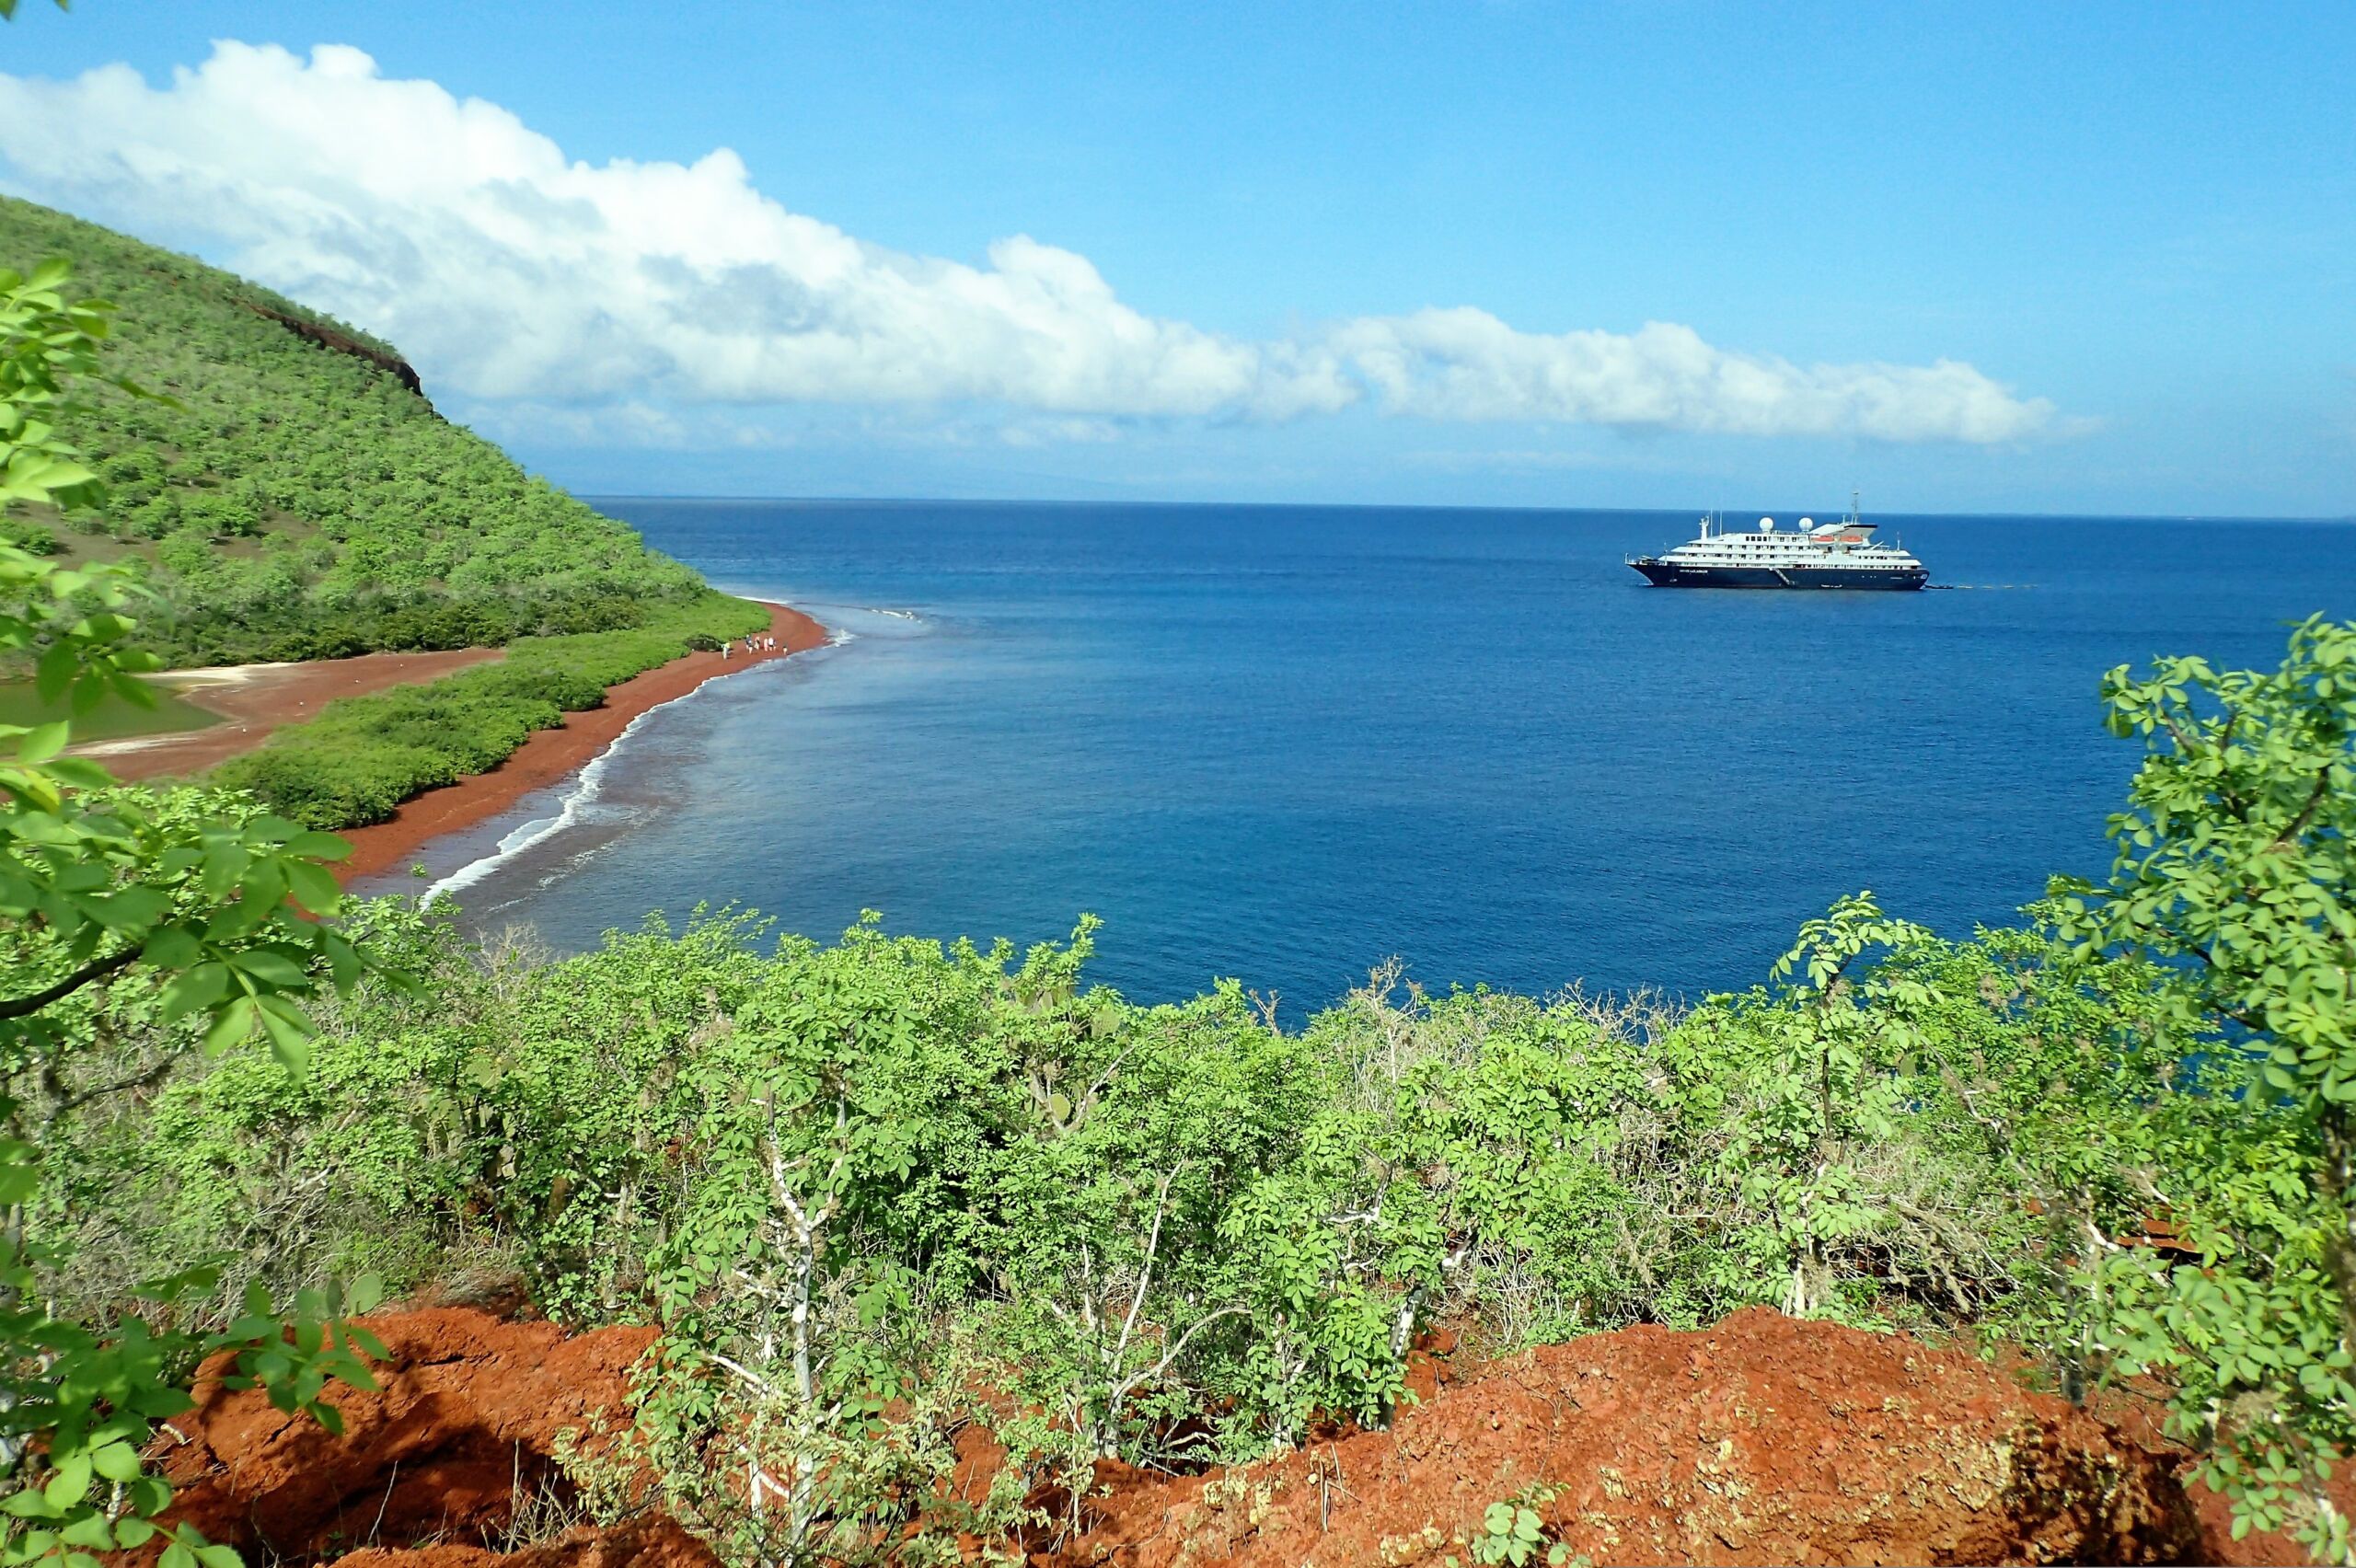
x=97, y=969
x=1136, y=1380
x=760, y=1384
x=2315, y=799
x=152, y=1075
x=1144, y=1272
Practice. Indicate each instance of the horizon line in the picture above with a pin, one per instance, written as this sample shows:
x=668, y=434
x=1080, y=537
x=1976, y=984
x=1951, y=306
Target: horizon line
x=587, y=495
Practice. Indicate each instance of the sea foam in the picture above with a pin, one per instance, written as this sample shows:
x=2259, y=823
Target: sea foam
x=586, y=787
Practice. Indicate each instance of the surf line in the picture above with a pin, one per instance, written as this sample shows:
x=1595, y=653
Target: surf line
x=581, y=791
x=548, y=758
x=585, y=787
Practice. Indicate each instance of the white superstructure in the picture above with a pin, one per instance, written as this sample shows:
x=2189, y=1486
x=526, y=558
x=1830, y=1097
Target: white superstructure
x=1814, y=555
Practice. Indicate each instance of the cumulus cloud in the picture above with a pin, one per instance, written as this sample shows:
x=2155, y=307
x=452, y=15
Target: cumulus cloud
x=510, y=273
x=1467, y=365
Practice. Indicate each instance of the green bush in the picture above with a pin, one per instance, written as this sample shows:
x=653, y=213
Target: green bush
x=1149, y=1213
x=364, y=756
x=33, y=538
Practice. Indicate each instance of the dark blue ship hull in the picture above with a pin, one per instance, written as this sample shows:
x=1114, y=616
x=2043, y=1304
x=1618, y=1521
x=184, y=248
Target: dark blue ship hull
x=1661, y=574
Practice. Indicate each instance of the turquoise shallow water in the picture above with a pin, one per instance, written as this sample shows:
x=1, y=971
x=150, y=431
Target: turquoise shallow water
x=1283, y=744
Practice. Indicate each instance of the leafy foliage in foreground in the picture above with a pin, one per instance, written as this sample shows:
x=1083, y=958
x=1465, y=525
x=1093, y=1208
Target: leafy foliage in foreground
x=291, y=498
x=104, y=891
x=2237, y=869
x=1180, y=1232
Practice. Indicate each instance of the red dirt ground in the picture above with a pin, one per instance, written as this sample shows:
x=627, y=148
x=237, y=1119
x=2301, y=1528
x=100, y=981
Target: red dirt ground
x=466, y=1415
x=551, y=754
x=1760, y=1440
x=254, y=699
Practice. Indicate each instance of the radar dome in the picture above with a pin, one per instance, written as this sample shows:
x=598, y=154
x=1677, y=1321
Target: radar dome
x=1766, y=524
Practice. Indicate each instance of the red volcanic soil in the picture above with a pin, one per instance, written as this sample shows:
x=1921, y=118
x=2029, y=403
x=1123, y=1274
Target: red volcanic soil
x=552, y=754
x=254, y=699
x=1760, y=1440
x=463, y=1425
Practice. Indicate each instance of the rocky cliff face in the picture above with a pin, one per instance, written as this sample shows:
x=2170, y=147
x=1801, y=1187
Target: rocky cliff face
x=342, y=342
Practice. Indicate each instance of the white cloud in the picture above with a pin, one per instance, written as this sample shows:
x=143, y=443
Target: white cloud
x=1467, y=365
x=507, y=271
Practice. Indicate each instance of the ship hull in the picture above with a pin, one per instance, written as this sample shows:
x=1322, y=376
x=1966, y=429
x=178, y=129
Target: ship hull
x=1663, y=574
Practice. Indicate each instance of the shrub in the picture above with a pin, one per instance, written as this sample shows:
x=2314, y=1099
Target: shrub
x=364, y=756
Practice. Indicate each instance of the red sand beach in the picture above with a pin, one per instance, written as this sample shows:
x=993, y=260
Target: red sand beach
x=254, y=699
x=551, y=754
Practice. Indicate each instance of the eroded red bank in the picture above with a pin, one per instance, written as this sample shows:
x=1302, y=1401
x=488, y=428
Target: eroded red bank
x=1760, y=1440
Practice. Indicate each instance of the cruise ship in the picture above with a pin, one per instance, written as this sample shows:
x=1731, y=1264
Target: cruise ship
x=1814, y=555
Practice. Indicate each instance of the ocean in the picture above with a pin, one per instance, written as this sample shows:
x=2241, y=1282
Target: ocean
x=1286, y=743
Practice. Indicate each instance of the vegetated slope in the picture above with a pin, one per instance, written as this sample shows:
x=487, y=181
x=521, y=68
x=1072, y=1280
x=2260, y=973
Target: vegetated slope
x=299, y=497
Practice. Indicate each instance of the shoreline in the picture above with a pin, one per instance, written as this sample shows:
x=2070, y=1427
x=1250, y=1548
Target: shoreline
x=548, y=756
x=252, y=701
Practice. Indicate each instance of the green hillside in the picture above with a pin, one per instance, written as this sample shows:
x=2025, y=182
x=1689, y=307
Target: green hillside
x=292, y=494
x=299, y=497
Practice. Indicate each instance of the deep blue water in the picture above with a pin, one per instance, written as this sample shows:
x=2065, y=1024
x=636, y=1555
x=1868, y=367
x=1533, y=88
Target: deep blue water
x=1282, y=744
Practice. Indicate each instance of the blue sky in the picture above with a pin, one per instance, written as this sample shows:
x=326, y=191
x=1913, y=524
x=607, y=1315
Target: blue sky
x=1980, y=258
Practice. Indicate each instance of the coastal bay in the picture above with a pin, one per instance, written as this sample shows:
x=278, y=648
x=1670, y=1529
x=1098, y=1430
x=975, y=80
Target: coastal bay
x=1286, y=743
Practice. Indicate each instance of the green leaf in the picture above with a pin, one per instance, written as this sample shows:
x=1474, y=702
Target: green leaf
x=70, y=1483
x=31, y=1504
x=290, y=1030
x=115, y=1461
x=230, y=1025
x=44, y=740
x=90, y=1530
x=56, y=670
x=315, y=889
x=320, y=847
x=197, y=990
x=174, y=948
x=272, y=969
